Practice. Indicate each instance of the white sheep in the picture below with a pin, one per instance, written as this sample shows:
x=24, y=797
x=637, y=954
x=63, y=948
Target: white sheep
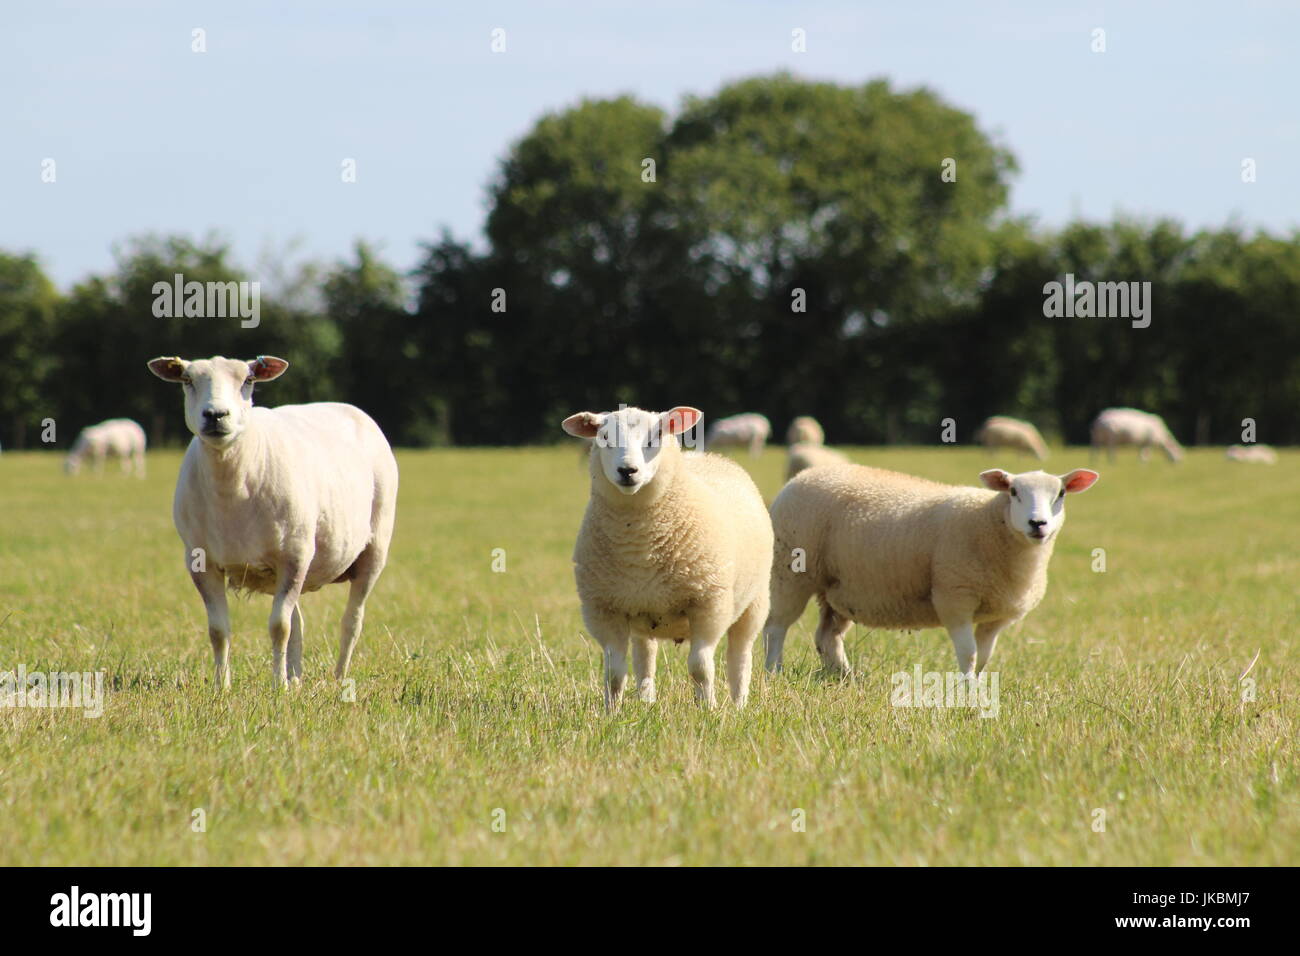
x=803, y=456
x=278, y=501
x=117, y=437
x=892, y=551
x=749, y=430
x=999, y=431
x=1252, y=454
x=805, y=430
x=670, y=547
x=1128, y=426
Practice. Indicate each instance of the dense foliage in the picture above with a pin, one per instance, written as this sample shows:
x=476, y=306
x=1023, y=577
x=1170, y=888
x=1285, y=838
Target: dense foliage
x=795, y=248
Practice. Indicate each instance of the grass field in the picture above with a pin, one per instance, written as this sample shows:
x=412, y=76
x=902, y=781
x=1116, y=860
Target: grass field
x=477, y=692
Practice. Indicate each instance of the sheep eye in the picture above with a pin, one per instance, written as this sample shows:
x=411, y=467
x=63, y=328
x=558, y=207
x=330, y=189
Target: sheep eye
x=185, y=380
x=249, y=380
x=1013, y=493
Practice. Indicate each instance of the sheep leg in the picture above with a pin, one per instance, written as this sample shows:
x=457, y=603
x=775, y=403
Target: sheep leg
x=986, y=639
x=740, y=647
x=963, y=644
x=366, y=571
x=644, y=655
x=707, y=628
x=212, y=588
x=294, y=662
x=789, y=598
x=354, y=615
x=615, y=671
x=829, y=640
x=957, y=613
x=612, y=633
x=288, y=590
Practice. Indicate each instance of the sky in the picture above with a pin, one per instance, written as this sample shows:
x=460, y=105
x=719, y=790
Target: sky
x=248, y=139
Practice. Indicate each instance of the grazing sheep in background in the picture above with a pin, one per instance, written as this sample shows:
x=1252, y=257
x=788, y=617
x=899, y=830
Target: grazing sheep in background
x=1254, y=454
x=1128, y=426
x=893, y=551
x=801, y=457
x=999, y=431
x=805, y=430
x=117, y=437
x=749, y=430
x=279, y=501
x=671, y=547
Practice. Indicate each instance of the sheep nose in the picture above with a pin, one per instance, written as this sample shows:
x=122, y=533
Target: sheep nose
x=627, y=471
x=1036, y=523
x=215, y=414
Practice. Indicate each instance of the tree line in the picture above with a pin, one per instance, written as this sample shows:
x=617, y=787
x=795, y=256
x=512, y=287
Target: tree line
x=782, y=246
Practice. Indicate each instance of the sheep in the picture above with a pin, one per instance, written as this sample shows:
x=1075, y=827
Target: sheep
x=1255, y=454
x=999, y=431
x=1128, y=426
x=671, y=547
x=889, y=550
x=278, y=501
x=749, y=430
x=803, y=456
x=805, y=430
x=118, y=437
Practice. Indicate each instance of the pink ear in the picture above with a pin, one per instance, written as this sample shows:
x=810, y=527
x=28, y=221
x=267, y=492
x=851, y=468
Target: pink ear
x=169, y=368
x=681, y=419
x=583, y=424
x=1081, y=479
x=266, y=367
x=996, y=479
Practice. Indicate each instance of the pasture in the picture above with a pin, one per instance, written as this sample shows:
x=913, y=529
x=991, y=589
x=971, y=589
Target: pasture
x=478, y=698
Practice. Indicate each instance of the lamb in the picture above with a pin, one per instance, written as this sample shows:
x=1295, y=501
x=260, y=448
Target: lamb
x=278, y=501
x=671, y=547
x=805, y=430
x=1128, y=426
x=749, y=430
x=889, y=550
x=803, y=456
x=999, y=431
x=1252, y=454
x=118, y=437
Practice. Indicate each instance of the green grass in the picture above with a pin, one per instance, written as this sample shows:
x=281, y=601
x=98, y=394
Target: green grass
x=477, y=690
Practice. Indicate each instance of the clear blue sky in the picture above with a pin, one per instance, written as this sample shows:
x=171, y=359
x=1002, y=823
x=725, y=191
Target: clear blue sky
x=247, y=139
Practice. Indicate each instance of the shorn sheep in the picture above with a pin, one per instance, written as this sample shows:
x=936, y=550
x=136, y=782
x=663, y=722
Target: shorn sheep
x=999, y=431
x=805, y=430
x=749, y=430
x=115, y=438
x=889, y=550
x=278, y=501
x=671, y=547
x=1128, y=426
x=1252, y=454
x=801, y=457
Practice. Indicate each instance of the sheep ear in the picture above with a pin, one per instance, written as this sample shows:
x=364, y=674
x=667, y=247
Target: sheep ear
x=996, y=479
x=267, y=367
x=1081, y=479
x=583, y=424
x=681, y=419
x=169, y=368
